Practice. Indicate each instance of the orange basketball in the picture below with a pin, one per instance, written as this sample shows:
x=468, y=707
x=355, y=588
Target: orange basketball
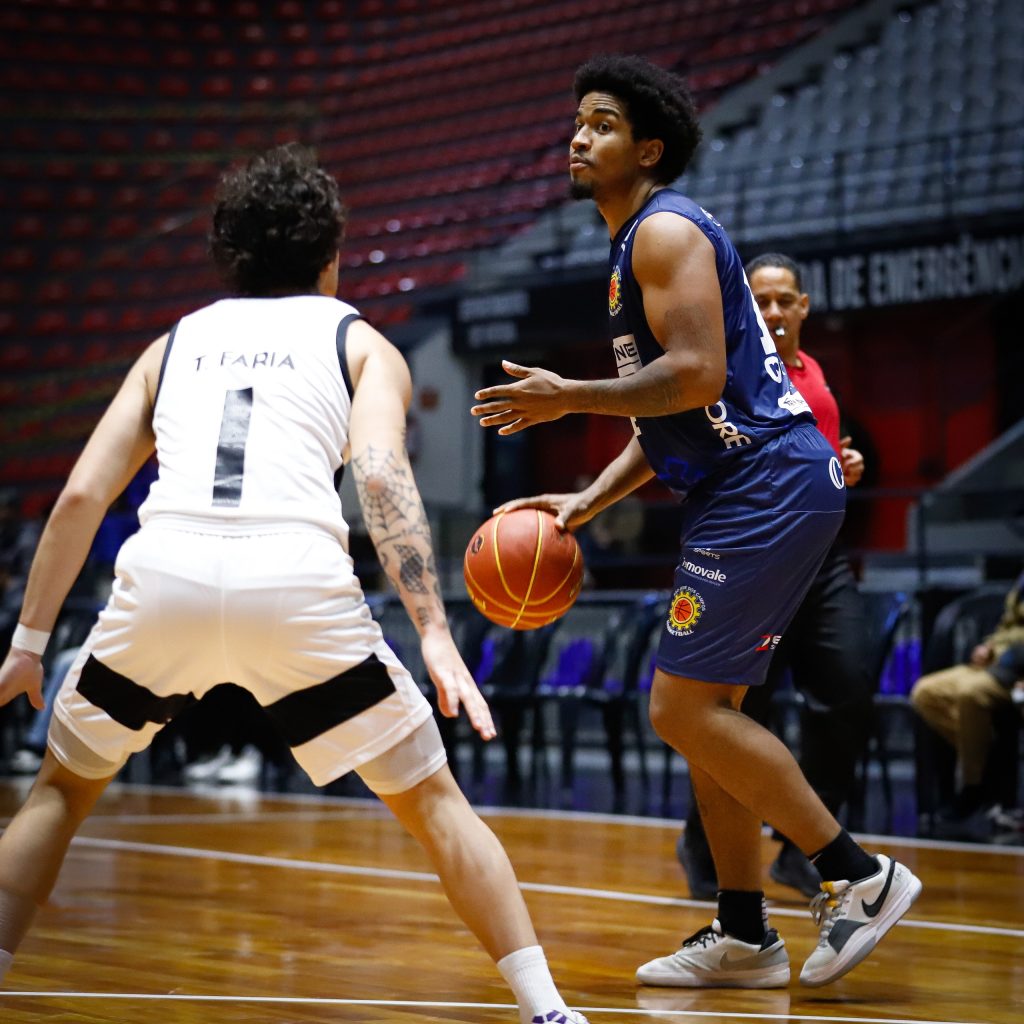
x=521, y=571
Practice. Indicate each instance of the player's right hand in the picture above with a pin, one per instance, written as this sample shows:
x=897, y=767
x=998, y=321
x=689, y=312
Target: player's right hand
x=22, y=672
x=569, y=510
x=455, y=683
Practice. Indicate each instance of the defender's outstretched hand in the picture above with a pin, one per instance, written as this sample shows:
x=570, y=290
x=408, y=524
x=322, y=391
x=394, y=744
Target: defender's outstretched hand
x=538, y=396
x=20, y=673
x=454, y=682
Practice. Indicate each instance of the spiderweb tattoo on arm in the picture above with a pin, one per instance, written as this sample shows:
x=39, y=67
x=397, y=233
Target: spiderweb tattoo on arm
x=387, y=492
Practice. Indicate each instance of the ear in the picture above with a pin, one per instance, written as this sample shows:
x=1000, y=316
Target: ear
x=804, y=305
x=650, y=152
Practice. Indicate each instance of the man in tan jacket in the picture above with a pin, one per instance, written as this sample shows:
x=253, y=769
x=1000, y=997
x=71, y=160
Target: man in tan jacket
x=959, y=702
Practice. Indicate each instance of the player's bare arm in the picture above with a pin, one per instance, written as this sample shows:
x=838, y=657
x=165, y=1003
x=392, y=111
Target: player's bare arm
x=674, y=263
x=120, y=444
x=395, y=518
x=623, y=475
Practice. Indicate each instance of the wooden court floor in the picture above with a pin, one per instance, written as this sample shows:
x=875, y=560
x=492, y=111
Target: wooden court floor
x=187, y=907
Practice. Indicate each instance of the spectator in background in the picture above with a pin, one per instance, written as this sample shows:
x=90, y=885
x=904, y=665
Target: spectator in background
x=959, y=704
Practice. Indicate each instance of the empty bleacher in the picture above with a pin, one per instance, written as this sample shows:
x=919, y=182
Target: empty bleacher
x=446, y=124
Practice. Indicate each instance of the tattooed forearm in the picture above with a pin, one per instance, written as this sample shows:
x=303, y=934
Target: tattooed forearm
x=411, y=569
x=397, y=523
x=387, y=491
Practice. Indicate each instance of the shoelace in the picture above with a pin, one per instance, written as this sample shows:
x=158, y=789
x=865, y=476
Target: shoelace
x=827, y=907
x=707, y=936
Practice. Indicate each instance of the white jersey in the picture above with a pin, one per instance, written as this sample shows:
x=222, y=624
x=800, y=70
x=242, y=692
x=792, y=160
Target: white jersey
x=252, y=414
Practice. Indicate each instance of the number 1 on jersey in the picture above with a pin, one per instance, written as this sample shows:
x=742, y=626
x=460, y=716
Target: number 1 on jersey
x=234, y=432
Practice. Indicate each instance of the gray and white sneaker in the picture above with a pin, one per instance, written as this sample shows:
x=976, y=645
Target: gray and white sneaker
x=559, y=1017
x=853, y=916
x=712, y=959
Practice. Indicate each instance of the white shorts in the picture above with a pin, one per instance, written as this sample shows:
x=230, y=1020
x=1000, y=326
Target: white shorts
x=278, y=613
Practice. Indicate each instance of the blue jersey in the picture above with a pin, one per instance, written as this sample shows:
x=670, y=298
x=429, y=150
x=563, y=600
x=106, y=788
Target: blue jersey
x=759, y=401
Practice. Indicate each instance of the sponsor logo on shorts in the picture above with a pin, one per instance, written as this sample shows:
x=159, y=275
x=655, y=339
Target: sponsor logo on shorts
x=706, y=553
x=684, y=612
x=714, y=575
x=615, y=292
x=835, y=472
x=768, y=641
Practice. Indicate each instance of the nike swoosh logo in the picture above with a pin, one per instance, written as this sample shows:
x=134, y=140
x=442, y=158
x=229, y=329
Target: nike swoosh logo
x=872, y=909
x=727, y=962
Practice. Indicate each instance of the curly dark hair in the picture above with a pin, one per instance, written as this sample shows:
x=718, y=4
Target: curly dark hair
x=777, y=260
x=657, y=102
x=277, y=222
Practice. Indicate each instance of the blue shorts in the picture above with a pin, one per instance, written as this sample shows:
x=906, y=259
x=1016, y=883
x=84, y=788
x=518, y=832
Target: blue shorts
x=754, y=535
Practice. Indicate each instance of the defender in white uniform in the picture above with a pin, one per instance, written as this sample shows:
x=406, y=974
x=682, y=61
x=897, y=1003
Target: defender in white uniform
x=241, y=572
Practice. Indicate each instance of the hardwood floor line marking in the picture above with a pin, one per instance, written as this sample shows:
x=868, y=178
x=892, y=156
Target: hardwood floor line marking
x=418, y=1004
x=260, y=860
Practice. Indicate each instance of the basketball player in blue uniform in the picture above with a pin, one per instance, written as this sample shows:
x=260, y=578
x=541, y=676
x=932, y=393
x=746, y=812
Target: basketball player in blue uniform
x=717, y=420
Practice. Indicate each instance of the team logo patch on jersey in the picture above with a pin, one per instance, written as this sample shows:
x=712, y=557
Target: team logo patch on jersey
x=685, y=611
x=615, y=292
x=768, y=641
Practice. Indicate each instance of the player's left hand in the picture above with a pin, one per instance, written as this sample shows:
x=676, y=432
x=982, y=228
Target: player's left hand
x=22, y=672
x=538, y=396
x=853, y=462
x=455, y=683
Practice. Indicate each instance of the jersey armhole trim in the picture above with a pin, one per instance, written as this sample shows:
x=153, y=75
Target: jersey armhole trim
x=163, y=363
x=340, y=340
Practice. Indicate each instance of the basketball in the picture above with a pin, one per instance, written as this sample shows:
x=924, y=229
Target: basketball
x=521, y=571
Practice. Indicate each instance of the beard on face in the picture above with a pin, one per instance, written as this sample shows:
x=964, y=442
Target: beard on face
x=581, y=189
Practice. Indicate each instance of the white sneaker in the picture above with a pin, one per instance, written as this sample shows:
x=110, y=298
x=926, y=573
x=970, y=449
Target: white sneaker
x=712, y=959
x=207, y=767
x=853, y=917
x=244, y=768
x=559, y=1017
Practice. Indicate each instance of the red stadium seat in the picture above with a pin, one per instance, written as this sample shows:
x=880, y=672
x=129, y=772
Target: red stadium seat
x=97, y=320
x=217, y=87
x=66, y=258
x=15, y=259
x=173, y=86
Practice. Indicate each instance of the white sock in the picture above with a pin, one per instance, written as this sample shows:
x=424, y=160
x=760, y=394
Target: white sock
x=6, y=959
x=527, y=974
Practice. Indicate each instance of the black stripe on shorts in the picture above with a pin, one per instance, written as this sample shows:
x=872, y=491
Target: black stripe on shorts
x=308, y=713
x=127, y=703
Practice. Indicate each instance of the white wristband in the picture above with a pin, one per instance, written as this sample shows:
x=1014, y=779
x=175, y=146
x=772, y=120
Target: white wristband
x=31, y=640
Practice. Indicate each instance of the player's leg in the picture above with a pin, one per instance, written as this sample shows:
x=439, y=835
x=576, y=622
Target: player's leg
x=474, y=868
x=701, y=721
x=34, y=844
x=316, y=660
x=692, y=849
x=755, y=768
x=738, y=949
